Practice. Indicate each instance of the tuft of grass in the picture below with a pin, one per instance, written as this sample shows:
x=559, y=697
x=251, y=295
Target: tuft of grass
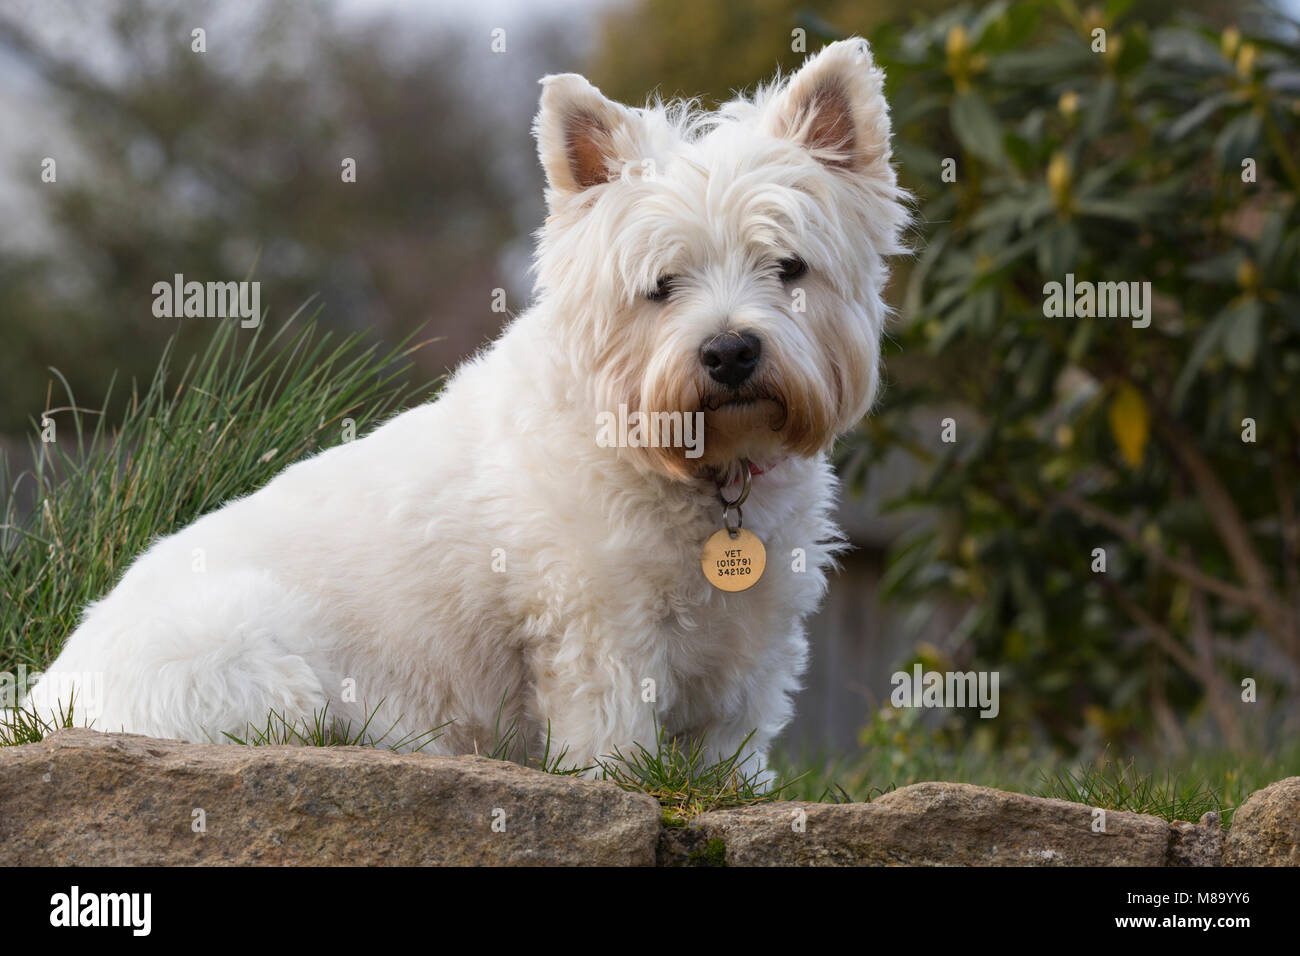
x=1119, y=786
x=686, y=783
x=323, y=730
x=151, y=461
x=1183, y=791
x=554, y=761
x=20, y=725
x=898, y=749
x=675, y=772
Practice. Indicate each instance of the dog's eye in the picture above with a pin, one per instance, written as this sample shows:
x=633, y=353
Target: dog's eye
x=662, y=290
x=792, y=268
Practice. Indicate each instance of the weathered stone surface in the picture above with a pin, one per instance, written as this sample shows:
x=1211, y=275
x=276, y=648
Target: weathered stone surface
x=84, y=798
x=1266, y=828
x=937, y=824
x=1196, y=844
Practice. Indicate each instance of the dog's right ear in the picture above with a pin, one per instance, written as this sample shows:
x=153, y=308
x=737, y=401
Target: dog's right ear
x=834, y=106
x=583, y=138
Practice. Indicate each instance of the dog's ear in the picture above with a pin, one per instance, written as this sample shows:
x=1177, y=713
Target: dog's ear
x=834, y=106
x=583, y=138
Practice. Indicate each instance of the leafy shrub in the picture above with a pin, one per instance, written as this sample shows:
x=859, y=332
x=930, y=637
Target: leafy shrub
x=1169, y=157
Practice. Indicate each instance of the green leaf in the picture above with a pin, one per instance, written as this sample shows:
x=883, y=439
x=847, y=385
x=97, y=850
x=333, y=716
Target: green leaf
x=989, y=15
x=1188, y=48
x=1270, y=239
x=1284, y=81
x=1197, y=115
x=957, y=320
x=1043, y=65
x=913, y=298
x=1060, y=252
x=1241, y=335
x=976, y=126
x=1015, y=30
x=1238, y=139
x=1111, y=209
x=1003, y=209
x=1099, y=107
x=1218, y=270
x=1080, y=340
x=1205, y=344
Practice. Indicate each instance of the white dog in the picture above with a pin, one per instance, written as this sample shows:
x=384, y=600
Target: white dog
x=485, y=559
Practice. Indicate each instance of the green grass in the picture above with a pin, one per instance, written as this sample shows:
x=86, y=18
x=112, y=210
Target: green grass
x=898, y=750
x=324, y=730
x=685, y=782
x=152, y=460
x=1169, y=794
x=26, y=726
x=676, y=773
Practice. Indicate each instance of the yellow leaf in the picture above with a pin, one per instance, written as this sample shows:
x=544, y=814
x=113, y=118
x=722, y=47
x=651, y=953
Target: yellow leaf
x=955, y=42
x=1059, y=176
x=1130, y=423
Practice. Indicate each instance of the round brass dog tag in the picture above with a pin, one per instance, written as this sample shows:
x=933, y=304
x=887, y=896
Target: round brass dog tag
x=733, y=564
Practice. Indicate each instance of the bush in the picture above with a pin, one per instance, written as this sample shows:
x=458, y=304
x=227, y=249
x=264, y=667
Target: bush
x=1168, y=452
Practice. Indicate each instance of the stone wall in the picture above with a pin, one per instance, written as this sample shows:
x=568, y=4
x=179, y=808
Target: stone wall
x=83, y=798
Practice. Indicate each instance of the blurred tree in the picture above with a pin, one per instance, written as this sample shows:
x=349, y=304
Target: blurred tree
x=687, y=48
x=227, y=164
x=711, y=49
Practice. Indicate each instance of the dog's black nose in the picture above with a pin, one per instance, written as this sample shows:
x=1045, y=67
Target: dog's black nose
x=731, y=357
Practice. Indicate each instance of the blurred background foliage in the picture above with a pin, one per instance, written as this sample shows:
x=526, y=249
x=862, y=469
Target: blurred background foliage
x=1171, y=157
x=228, y=164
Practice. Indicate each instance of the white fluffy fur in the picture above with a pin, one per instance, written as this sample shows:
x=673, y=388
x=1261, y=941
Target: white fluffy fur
x=373, y=561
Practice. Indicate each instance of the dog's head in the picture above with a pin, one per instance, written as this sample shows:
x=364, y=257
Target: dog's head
x=728, y=263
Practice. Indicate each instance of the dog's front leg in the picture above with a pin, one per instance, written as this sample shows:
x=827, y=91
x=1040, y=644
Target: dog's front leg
x=761, y=707
x=594, y=709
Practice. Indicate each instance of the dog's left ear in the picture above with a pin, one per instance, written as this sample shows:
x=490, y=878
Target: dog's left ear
x=583, y=138
x=834, y=106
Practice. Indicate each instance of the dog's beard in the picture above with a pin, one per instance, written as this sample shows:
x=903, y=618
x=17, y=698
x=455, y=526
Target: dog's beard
x=770, y=417
x=805, y=390
x=745, y=422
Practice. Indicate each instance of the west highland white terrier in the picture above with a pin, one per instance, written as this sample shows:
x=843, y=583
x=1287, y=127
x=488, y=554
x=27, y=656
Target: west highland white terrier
x=613, y=520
